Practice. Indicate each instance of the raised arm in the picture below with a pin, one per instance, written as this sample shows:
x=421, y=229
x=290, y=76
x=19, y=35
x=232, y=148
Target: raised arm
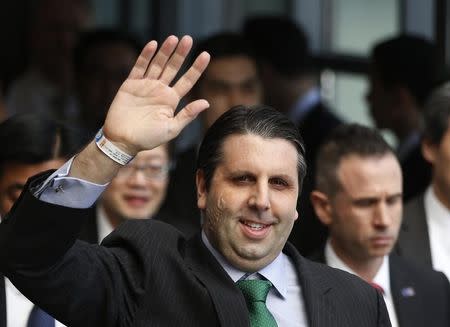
x=142, y=114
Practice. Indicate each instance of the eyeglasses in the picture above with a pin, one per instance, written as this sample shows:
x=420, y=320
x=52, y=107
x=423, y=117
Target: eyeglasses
x=154, y=172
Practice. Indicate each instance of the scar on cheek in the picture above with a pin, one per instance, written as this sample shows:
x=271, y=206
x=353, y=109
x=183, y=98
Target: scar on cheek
x=221, y=204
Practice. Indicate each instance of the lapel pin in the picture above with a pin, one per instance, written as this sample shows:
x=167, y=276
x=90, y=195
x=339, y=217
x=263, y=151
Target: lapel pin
x=408, y=292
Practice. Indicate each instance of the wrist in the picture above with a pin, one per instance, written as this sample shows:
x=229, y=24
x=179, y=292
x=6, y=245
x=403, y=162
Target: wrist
x=114, y=150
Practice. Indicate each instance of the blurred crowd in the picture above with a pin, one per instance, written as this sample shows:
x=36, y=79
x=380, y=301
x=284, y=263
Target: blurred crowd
x=377, y=212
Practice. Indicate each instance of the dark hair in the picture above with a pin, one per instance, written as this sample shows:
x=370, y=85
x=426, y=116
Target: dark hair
x=224, y=44
x=280, y=42
x=97, y=38
x=437, y=114
x=32, y=138
x=346, y=140
x=408, y=60
x=259, y=120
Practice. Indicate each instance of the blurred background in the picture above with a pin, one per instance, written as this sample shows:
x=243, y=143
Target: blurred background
x=341, y=33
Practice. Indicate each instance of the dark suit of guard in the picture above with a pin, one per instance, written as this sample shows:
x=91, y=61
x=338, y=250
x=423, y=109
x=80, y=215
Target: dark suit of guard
x=147, y=274
x=421, y=296
x=413, y=239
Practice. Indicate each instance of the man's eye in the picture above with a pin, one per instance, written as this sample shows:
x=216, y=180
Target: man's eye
x=364, y=202
x=242, y=178
x=278, y=182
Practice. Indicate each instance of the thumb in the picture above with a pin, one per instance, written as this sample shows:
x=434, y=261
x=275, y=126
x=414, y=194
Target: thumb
x=188, y=114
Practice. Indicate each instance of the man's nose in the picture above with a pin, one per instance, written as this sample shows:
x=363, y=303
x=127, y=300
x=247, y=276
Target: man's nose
x=382, y=217
x=260, y=197
x=137, y=177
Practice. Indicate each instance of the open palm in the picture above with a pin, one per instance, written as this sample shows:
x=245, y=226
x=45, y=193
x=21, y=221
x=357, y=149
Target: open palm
x=142, y=114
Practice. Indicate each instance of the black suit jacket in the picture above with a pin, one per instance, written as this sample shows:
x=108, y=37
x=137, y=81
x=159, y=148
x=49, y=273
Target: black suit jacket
x=309, y=234
x=416, y=173
x=413, y=240
x=421, y=296
x=147, y=274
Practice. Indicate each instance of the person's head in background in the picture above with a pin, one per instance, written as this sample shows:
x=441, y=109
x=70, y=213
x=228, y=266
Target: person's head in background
x=436, y=141
x=282, y=48
x=359, y=196
x=31, y=144
x=232, y=77
x=53, y=32
x=403, y=71
x=103, y=58
x=139, y=189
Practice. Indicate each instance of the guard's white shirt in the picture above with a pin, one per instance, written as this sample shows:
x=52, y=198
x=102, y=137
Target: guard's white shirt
x=438, y=221
x=381, y=278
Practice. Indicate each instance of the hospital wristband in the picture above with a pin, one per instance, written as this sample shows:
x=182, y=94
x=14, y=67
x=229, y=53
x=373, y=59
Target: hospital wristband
x=112, y=151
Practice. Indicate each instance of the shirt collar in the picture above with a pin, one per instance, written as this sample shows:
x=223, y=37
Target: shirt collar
x=381, y=277
x=441, y=214
x=304, y=105
x=104, y=227
x=274, y=272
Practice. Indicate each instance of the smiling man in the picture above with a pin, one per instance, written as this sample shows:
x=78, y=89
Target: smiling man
x=137, y=192
x=359, y=197
x=250, y=169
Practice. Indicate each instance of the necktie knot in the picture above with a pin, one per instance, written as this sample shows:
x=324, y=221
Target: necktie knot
x=254, y=290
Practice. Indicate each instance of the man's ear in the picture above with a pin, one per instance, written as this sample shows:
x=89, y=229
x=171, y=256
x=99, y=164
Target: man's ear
x=429, y=150
x=201, y=189
x=321, y=206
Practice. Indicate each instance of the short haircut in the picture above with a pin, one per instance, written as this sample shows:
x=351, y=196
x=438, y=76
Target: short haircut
x=410, y=61
x=94, y=39
x=280, y=42
x=437, y=114
x=33, y=139
x=344, y=141
x=257, y=120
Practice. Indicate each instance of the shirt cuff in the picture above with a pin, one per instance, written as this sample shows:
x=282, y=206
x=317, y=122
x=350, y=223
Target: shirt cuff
x=66, y=191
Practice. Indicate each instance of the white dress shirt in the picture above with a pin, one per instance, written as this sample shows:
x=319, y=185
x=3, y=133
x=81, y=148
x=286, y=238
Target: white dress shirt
x=381, y=278
x=438, y=221
x=18, y=307
x=104, y=227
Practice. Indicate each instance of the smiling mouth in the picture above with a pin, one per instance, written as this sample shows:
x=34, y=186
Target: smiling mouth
x=254, y=230
x=136, y=200
x=253, y=225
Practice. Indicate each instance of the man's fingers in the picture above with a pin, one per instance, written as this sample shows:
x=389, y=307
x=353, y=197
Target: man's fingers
x=188, y=114
x=176, y=60
x=159, y=61
x=140, y=67
x=187, y=81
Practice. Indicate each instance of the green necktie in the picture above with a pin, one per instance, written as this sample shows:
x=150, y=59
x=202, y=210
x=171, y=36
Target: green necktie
x=255, y=293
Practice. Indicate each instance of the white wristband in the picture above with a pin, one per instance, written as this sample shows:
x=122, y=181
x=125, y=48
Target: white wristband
x=111, y=150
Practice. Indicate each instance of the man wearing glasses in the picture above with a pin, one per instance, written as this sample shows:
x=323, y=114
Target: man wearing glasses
x=137, y=192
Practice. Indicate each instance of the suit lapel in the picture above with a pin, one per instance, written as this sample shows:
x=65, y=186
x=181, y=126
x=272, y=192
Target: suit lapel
x=228, y=300
x=317, y=293
x=2, y=302
x=413, y=238
x=408, y=305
